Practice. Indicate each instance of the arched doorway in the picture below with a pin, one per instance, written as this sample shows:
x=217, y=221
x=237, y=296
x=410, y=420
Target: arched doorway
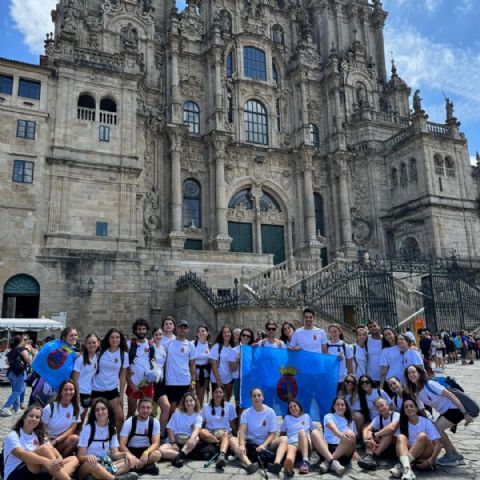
x=256, y=223
x=410, y=249
x=21, y=297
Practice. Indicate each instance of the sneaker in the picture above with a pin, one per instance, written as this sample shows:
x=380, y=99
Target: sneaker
x=408, y=474
x=337, y=467
x=252, y=468
x=274, y=468
x=22, y=406
x=304, y=468
x=460, y=459
x=288, y=468
x=151, y=469
x=447, y=461
x=221, y=462
x=368, y=462
x=5, y=412
x=397, y=471
x=324, y=466
x=178, y=461
x=127, y=476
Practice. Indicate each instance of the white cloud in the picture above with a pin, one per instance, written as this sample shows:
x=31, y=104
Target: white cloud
x=464, y=6
x=432, y=5
x=32, y=18
x=429, y=5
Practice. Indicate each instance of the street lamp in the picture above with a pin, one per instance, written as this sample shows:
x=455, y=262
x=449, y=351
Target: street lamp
x=90, y=285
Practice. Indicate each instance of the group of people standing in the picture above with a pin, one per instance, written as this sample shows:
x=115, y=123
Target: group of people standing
x=183, y=402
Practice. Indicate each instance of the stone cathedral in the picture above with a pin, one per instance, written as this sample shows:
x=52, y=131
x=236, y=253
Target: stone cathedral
x=224, y=139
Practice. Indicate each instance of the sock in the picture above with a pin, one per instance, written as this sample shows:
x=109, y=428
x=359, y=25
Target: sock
x=411, y=457
x=405, y=461
x=305, y=459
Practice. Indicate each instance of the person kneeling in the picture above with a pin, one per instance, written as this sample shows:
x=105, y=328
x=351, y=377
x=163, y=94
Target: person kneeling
x=379, y=436
x=98, y=446
x=27, y=457
x=140, y=439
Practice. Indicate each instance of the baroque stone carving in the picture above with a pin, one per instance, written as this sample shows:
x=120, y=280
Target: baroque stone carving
x=190, y=22
x=192, y=85
x=240, y=212
x=225, y=22
x=362, y=228
x=129, y=38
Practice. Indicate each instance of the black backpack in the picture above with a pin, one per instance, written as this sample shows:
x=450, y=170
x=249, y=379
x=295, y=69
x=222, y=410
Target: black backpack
x=15, y=361
x=132, y=353
x=133, y=431
x=92, y=438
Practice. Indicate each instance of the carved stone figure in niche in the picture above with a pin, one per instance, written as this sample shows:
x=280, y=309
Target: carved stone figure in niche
x=304, y=25
x=449, y=109
x=146, y=4
x=129, y=37
x=362, y=96
x=417, y=102
x=70, y=16
x=225, y=22
x=278, y=35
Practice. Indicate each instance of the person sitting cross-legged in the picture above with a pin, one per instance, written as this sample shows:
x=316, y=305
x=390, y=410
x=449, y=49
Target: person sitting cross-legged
x=140, y=439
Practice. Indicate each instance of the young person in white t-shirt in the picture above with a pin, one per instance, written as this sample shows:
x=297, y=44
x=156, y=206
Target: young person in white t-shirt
x=111, y=375
x=222, y=361
x=183, y=431
x=349, y=390
x=219, y=423
x=257, y=434
x=61, y=418
x=379, y=435
x=286, y=333
x=246, y=338
x=360, y=352
x=418, y=442
x=367, y=394
x=391, y=359
x=140, y=439
x=270, y=341
x=98, y=446
x=309, y=337
x=297, y=426
x=410, y=354
x=159, y=391
x=84, y=370
x=337, y=347
x=340, y=434
x=168, y=327
x=374, y=345
x=202, y=362
x=26, y=456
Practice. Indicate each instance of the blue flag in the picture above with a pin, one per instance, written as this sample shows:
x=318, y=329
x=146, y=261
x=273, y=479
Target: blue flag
x=308, y=377
x=54, y=362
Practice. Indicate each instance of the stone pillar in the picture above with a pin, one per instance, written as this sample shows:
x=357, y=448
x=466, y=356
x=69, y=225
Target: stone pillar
x=176, y=235
x=312, y=244
x=345, y=215
x=257, y=193
x=379, y=17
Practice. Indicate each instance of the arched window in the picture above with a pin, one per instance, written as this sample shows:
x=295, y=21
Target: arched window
x=274, y=74
x=21, y=297
x=254, y=65
x=413, y=170
x=403, y=175
x=192, y=215
x=394, y=178
x=108, y=110
x=243, y=199
x=86, y=107
x=410, y=249
x=438, y=164
x=108, y=105
x=191, y=117
x=256, y=123
x=229, y=65
x=319, y=214
x=450, y=167
x=267, y=202
x=314, y=135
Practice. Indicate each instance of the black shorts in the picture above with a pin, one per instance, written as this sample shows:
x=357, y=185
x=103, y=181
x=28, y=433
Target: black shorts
x=214, y=385
x=85, y=400
x=176, y=392
x=390, y=452
x=453, y=415
x=23, y=473
x=344, y=460
x=159, y=391
x=137, y=451
x=107, y=395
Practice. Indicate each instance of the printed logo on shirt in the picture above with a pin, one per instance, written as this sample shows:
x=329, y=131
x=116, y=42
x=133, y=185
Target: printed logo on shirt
x=314, y=337
x=145, y=431
x=68, y=415
x=192, y=427
x=145, y=350
x=182, y=349
x=116, y=360
x=94, y=366
x=35, y=442
x=206, y=351
x=264, y=423
x=303, y=422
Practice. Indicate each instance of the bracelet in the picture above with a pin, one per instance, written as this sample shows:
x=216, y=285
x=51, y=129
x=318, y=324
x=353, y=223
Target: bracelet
x=194, y=382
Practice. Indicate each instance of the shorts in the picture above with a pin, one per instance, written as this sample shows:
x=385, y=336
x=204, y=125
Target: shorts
x=214, y=385
x=453, y=415
x=107, y=394
x=85, y=400
x=145, y=391
x=439, y=354
x=159, y=390
x=218, y=432
x=137, y=451
x=23, y=473
x=176, y=392
x=344, y=460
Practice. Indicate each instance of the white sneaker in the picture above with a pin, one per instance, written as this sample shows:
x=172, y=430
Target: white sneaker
x=5, y=412
x=324, y=466
x=408, y=474
x=397, y=471
x=337, y=467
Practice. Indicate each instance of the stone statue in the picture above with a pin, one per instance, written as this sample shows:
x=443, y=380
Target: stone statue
x=225, y=23
x=361, y=96
x=449, y=109
x=305, y=28
x=278, y=38
x=417, y=102
x=129, y=37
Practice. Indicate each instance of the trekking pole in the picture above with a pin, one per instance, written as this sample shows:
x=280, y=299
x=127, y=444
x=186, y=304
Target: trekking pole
x=206, y=465
x=262, y=466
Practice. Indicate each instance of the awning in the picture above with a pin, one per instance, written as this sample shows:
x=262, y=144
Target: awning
x=24, y=324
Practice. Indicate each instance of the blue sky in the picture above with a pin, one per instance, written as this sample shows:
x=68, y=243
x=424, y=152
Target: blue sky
x=436, y=45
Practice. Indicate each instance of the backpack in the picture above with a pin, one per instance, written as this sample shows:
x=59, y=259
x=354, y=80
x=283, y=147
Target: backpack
x=470, y=405
x=92, y=438
x=132, y=353
x=381, y=420
x=16, y=363
x=99, y=356
x=448, y=382
x=343, y=347
x=133, y=431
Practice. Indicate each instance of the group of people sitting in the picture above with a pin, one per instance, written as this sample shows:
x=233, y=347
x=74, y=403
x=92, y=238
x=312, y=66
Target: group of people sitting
x=83, y=428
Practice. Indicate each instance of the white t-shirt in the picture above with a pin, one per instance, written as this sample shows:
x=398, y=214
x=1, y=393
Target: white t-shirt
x=373, y=363
x=259, y=424
x=165, y=341
x=101, y=444
x=411, y=357
x=141, y=362
x=371, y=399
x=435, y=397
x=359, y=361
x=212, y=422
x=108, y=376
x=226, y=356
x=202, y=352
x=179, y=354
x=160, y=356
x=86, y=373
x=397, y=402
x=60, y=421
x=338, y=350
x=309, y=340
x=392, y=417
x=341, y=423
x=392, y=358
x=236, y=353
x=277, y=343
x=140, y=440
x=292, y=425
x=12, y=441
x=355, y=406
x=424, y=425
x=183, y=424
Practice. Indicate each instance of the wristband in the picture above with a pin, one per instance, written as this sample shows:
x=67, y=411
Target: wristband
x=193, y=382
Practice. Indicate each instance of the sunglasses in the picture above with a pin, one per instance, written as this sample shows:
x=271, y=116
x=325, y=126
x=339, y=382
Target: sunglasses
x=365, y=382
x=271, y=329
x=246, y=335
x=351, y=382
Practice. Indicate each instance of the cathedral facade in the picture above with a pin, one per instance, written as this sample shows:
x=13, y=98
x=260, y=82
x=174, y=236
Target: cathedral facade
x=223, y=139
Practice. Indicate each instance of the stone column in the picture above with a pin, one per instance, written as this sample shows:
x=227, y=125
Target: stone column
x=176, y=235
x=256, y=194
x=345, y=216
x=313, y=245
x=379, y=17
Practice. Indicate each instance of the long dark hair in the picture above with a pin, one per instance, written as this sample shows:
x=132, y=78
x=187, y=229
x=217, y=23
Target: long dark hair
x=86, y=357
x=208, y=333
x=283, y=337
x=212, y=404
x=252, y=335
x=403, y=423
x=362, y=396
x=40, y=430
x=106, y=344
x=219, y=338
x=385, y=342
x=15, y=341
x=343, y=388
x=111, y=417
x=348, y=411
x=75, y=399
x=299, y=405
x=422, y=380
